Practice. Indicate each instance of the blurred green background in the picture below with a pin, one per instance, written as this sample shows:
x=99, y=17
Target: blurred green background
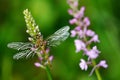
x=51, y=15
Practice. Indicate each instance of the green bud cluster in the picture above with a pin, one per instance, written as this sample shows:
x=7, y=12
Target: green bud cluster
x=32, y=28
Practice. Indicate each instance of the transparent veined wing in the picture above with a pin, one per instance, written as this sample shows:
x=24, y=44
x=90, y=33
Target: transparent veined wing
x=59, y=36
x=20, y=45
x=22, y=54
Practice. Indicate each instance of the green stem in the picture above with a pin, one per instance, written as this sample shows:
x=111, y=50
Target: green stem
x=97, y=71
x=98, y=74
x=48, y=73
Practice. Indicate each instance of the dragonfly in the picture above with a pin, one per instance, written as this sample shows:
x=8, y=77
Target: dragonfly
x=26, y=48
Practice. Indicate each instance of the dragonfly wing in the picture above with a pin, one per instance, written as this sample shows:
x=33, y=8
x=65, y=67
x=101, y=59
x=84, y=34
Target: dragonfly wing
x=20, y=45
x=25, y=53
x=59, y=36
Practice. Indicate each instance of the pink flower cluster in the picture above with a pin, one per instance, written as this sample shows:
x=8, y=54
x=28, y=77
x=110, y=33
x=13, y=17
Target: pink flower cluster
x=39, y=64
x=43, y=61
x=84, y=36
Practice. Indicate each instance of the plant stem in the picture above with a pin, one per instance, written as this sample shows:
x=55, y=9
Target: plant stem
x=48, y=73
x=97, y=71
